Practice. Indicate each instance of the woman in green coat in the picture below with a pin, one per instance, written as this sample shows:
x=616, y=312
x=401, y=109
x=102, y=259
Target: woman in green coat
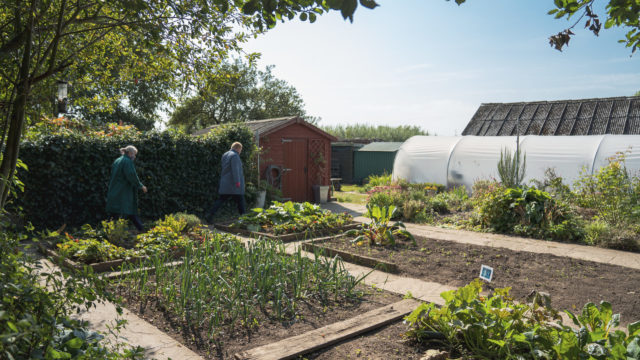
x=122, y=197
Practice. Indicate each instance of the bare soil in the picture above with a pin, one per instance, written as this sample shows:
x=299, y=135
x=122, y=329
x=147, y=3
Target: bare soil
x=570, y=282
x=311, y=315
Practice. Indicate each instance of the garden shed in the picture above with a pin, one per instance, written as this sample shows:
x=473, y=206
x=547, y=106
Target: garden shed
x=342, y=160
x=461, y=160
x=374, y=159
x=295, y=154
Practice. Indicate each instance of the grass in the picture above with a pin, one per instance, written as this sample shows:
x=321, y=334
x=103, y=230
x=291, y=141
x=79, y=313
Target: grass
x=348, y=197
x=352, y=188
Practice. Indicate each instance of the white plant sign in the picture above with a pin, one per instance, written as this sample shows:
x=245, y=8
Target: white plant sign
x=486, y=273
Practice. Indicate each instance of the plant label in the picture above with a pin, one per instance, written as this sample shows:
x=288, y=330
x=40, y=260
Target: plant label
x=486, y=273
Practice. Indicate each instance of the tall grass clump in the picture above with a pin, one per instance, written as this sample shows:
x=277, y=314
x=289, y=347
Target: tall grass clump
x=512, y=168
x=223, y=285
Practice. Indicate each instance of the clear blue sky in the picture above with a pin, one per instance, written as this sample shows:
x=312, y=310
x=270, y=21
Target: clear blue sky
x=432, y=63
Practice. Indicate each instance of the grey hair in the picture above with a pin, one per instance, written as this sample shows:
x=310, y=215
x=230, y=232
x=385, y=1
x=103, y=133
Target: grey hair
x=129, y=149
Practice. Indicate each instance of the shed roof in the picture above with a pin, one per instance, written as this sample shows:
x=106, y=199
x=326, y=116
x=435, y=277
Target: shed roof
x=267, y=126
x=616, y=115
x=381, y=146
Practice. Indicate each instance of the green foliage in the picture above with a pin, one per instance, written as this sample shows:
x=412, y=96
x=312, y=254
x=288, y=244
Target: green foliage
x=600, y=233
x=511, y=168
x=292, y=217
x=612, y=192
x=68, y=174
x=497, y=327
x=92, y=250
x=227, y=285
x=529, y=212
x=36, y=311
x=376, y=180
x=116, y=231
x=380, y=231
x=373, y=132
x=238, y=92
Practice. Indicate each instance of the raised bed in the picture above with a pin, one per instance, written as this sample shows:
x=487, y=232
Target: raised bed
x=570, y=282
x=100, y=267
x=283, y=237
x=360, y=259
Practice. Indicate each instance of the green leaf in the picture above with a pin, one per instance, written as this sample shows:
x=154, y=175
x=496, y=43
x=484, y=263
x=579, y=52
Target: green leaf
x=12, y=326
x=634, y=328
x=370, y=4
x=75, y=343
x=633, y=349
x=348, y=8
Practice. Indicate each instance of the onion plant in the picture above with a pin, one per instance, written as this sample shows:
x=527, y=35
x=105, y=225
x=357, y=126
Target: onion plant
x=223, y=284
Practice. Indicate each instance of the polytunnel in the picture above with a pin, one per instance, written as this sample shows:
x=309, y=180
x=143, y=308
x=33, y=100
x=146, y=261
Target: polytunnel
x=462, y=160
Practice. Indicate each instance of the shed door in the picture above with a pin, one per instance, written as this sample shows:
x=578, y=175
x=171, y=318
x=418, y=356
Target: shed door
x=294, y=178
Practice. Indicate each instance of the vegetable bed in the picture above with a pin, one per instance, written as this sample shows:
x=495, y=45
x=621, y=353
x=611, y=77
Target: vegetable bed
x=225, y=298
x=290, y=221
x=570, y=282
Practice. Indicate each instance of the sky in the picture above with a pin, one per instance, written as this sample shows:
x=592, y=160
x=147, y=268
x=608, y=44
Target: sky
x=432, y=63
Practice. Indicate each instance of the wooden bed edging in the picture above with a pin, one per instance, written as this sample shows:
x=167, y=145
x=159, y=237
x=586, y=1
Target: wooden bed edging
x=284, y=237
x=328, y=335
x=100, y=267
x=352, y=258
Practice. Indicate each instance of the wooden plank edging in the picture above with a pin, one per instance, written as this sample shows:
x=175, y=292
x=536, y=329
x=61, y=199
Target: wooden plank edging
x=283, y=237
x=328, y=335
x=377, y=264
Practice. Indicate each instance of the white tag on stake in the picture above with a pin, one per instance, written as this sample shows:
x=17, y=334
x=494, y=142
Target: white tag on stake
x=486, y=273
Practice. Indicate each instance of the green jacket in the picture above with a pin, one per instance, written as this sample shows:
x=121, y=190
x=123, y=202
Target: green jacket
x=122, y=197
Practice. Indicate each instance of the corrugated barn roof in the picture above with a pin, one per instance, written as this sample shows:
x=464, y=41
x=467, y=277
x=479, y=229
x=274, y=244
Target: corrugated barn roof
x=618, y=115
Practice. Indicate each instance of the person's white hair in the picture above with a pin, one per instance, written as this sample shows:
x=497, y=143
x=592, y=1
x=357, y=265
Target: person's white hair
x=129, y=149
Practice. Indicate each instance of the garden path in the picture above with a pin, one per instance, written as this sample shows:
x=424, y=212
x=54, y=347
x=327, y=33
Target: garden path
x=581, y=252
x=137, y=331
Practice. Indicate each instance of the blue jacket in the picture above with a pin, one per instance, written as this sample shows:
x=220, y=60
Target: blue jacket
x=231, y=174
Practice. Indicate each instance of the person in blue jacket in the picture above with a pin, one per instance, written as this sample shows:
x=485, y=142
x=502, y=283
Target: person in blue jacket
x=231, y=181
x=122, y=196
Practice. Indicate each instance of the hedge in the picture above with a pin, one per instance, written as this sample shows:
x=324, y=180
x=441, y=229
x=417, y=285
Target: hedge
x=68, y=175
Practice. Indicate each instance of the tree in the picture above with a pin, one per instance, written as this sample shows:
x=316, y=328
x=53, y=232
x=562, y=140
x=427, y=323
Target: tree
x=40, y=39
x=620, y=13
x=380, y=133
x=238, y=92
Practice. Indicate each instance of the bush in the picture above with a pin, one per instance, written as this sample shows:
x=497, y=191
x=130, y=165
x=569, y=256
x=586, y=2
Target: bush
x=376, y=180
x=116, y=231
x=600, y=233
x=36, y=311
x=68, y=174
x=529, y=212
x=612, y=192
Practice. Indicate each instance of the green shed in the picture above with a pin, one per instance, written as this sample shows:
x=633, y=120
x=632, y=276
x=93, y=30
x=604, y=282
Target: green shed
x=374, y=159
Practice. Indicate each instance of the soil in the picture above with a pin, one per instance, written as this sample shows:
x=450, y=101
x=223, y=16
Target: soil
x=311, y=315
x=570, y=282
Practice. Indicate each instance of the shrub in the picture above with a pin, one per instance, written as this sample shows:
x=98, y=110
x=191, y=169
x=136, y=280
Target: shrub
x=36, y=309
x=600, y=233
x=612, y=192
x=116, y=231
x=68, y=174
x=412, y=208
x=376, y=180
x=529, y=212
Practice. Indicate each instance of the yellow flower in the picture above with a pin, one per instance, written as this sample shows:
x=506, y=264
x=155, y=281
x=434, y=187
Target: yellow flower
x=359, y=243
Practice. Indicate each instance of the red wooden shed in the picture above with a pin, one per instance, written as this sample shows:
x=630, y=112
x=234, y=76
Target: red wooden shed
x=295, y=155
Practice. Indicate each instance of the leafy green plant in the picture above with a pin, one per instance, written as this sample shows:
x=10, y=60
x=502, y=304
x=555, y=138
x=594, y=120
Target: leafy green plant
x=512, y=168
x=529, y=212
x=376, y=180
x=92, y=250
x=292, y=217
x=496, y=327
x=37, y=308
x=612, y=192
x=116, y=231
x=380, y=231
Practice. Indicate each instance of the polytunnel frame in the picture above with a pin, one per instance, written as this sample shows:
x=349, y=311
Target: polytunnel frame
x=595, y=154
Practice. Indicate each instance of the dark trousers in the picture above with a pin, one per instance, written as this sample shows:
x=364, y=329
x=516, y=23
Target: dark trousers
x=239, y=199
x=135, y=219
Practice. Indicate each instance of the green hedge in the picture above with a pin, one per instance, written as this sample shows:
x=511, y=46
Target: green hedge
x=69, y=174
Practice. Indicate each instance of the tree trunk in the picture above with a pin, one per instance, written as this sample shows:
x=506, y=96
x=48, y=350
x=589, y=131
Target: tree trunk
x=16, y=120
